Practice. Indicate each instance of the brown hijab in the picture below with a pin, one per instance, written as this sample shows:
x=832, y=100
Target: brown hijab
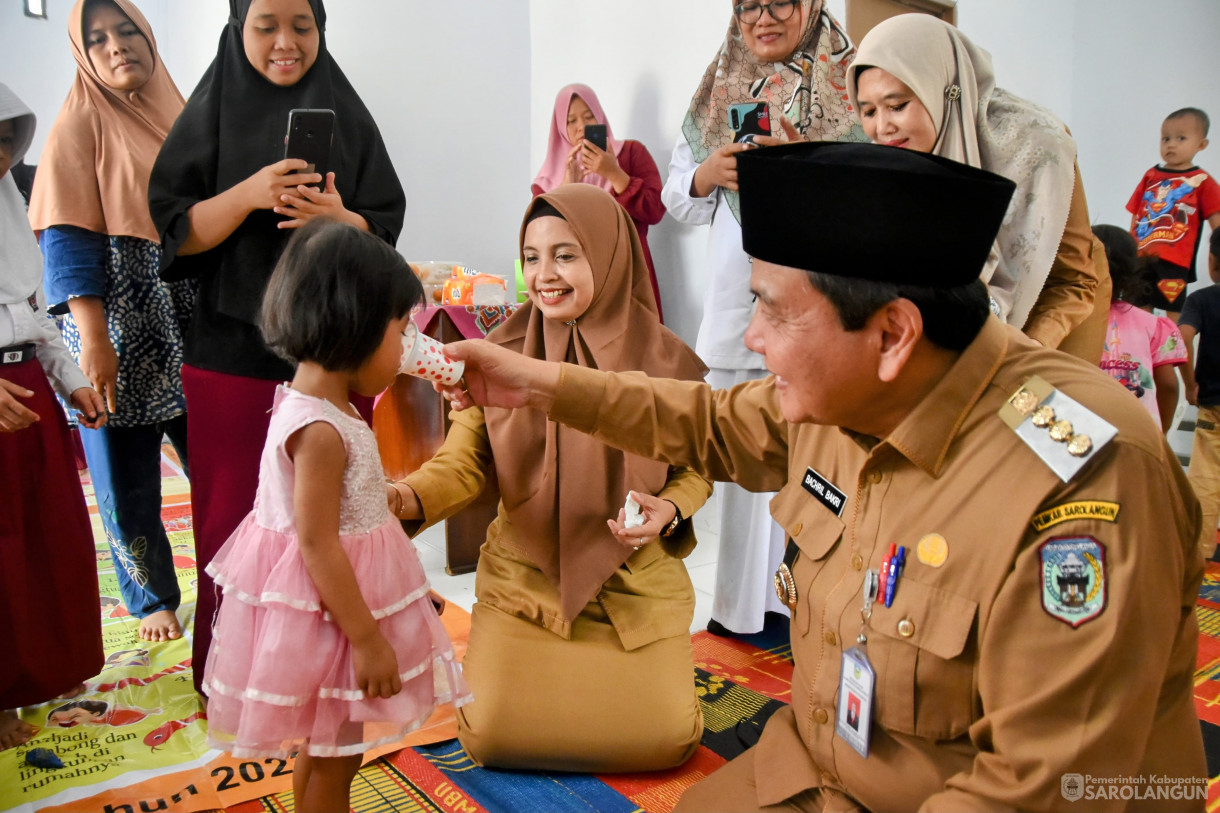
x=557, y=484
x=95, y=166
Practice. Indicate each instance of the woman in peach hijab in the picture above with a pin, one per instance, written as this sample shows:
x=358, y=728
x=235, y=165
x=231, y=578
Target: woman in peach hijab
x=123, y=324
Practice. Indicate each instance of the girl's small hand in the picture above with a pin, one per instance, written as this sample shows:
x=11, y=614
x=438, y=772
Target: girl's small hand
x=92, y=407
x=265, y=188
x=304, y=203
x=376, y=667
x=573, y=172
x=15, y=415
x=658, y=513
x=100, y=364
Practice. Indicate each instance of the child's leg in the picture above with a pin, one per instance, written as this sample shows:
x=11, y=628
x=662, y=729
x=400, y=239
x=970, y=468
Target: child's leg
x=324, y=784
x=300, y=772
x=1204, y=474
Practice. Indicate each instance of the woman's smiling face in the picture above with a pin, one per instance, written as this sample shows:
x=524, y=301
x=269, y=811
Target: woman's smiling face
x=770, y=39
x=281, y=39
x=557, y=273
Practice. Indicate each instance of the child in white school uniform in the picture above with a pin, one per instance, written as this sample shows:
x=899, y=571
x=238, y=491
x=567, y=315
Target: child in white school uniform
x=44, y=525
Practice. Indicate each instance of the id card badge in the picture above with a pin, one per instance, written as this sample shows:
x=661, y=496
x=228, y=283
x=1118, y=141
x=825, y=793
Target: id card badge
x=855, y=713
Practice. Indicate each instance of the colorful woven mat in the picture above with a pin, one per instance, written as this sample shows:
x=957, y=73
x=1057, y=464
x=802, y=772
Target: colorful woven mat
x=740, y=681
x=146, y=751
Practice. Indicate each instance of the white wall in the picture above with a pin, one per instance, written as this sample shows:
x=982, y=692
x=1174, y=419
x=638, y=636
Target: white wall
x=463, y=93
x=1137, y=65
x=447, y=83
x=1110, y=68
x=645, y=97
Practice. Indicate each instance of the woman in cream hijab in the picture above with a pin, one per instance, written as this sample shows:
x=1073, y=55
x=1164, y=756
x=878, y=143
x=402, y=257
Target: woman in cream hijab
x=919, y=83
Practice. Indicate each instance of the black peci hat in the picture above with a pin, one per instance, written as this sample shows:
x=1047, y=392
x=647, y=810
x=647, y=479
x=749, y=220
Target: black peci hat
x=870, y=212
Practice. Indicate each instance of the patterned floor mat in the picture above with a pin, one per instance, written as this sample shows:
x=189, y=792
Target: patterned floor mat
x=143, y=748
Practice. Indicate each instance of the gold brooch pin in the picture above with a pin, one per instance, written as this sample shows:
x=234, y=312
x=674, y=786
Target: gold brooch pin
x=785, y=586
x=1043, y=417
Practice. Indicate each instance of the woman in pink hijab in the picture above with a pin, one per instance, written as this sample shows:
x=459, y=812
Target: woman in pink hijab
x=624, y=168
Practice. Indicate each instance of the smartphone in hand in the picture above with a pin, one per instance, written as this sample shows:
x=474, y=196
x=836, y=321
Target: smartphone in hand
x=748, y=120
x=309, y=137
x=595, y=134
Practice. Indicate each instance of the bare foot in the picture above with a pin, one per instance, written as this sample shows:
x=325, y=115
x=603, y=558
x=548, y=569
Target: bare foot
x=13, y=730
x=160, y=626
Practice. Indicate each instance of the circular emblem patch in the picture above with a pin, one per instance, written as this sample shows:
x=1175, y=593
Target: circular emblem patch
x=932, y=550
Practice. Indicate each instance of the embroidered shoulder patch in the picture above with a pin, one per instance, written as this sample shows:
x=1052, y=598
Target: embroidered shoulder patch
x=1073, y=578
x=1082, y=509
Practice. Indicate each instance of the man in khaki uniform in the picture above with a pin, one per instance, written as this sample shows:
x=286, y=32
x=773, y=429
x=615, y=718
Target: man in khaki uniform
x=1035, y=650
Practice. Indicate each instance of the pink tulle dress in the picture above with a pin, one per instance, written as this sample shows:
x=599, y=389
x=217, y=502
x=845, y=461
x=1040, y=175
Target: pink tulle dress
x=280, y=670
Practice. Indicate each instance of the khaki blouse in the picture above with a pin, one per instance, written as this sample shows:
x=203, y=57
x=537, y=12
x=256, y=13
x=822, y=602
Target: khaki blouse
x=648, y=598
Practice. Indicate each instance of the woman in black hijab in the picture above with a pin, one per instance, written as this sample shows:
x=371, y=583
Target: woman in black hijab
x=225, y=200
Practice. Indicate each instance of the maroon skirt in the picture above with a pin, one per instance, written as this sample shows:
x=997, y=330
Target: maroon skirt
x=50, y=614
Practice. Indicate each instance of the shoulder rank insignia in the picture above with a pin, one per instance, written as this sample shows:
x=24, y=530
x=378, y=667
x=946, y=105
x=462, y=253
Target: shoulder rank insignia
x=1073, y=578
x=1062, y=432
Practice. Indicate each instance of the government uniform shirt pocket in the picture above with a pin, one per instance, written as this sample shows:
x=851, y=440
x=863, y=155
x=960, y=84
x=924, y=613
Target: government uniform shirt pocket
x=922, y=650
x=816, y=532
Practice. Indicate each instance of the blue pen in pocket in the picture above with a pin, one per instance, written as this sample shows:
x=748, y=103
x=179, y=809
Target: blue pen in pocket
x=895, y=571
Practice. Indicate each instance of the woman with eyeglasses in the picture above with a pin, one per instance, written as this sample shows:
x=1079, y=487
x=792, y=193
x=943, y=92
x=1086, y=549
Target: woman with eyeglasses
x=920, y=84
x=790, y=56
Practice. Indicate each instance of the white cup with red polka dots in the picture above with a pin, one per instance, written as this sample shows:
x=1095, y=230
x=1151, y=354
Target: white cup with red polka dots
x=424, y=357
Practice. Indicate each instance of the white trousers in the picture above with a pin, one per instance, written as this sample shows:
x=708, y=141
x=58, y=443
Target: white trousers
x=751, y=544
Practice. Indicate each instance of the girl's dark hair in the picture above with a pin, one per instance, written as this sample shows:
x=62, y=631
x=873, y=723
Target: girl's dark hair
x=1131, y=274
x=1213, y=243
x=333, y=291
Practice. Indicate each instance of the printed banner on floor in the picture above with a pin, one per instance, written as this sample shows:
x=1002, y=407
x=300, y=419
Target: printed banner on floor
x=136, y=738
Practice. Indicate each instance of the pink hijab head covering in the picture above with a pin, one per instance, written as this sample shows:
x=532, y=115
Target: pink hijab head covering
x=558, y=145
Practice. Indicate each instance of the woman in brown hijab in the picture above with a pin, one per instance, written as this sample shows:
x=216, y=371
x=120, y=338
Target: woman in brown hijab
x=579, y=656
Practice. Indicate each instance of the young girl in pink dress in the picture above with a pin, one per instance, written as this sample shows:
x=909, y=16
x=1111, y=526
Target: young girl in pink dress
x=326, y=623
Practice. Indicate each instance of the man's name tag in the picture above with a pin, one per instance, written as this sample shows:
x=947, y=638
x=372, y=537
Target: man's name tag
x=854, y=716
x=825, y=491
